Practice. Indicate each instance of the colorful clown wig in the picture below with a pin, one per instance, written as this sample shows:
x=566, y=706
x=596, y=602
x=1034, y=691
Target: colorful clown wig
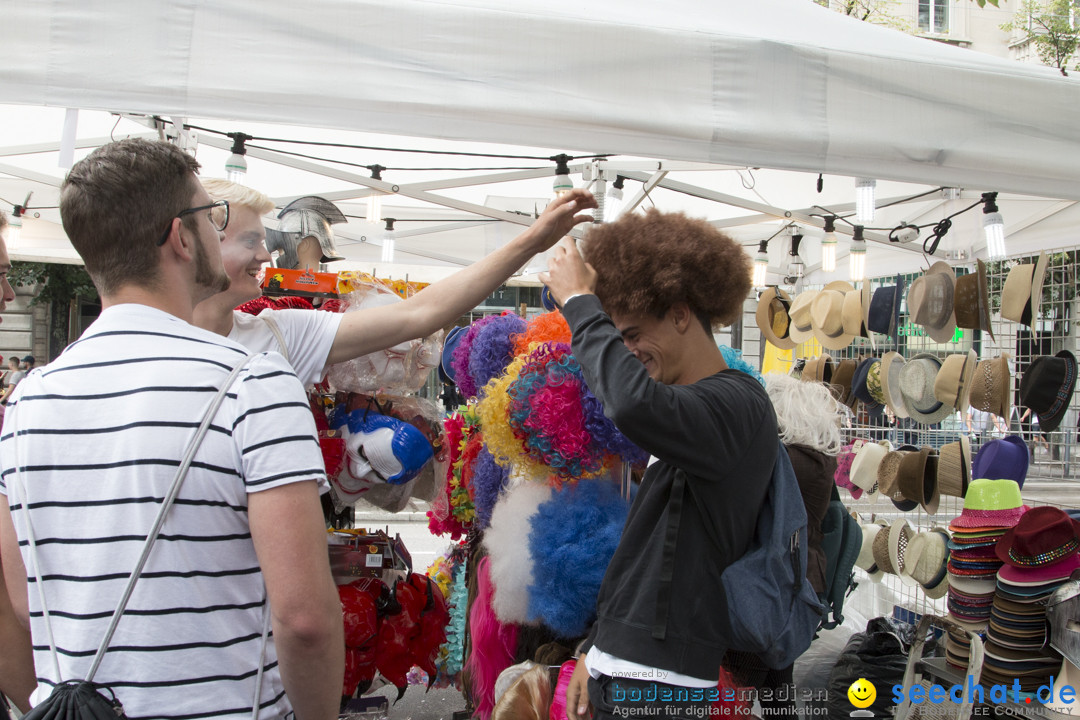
x=459, y=361
x=548, y=327
x=493, y=644
x=492, y=348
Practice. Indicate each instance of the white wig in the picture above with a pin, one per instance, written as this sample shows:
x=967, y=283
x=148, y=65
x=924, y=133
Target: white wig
x=807, y=413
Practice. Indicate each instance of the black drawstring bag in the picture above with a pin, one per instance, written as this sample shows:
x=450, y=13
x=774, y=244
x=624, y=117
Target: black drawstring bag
x=78, y=700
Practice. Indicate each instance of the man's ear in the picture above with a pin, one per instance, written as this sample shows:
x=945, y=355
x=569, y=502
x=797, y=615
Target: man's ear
x=179, y=239
x=681, y=316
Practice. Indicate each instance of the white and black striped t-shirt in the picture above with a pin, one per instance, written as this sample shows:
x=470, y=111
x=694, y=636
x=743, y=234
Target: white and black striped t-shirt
x=101, y=433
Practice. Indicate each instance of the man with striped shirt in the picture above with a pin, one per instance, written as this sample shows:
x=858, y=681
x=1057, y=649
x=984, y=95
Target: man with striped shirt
x=91, y=443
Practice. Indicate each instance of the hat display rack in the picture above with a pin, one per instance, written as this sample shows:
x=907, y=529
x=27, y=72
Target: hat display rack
x=1017, y=322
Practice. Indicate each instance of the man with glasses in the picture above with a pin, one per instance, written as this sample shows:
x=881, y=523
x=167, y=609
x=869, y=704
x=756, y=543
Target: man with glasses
x=312, y=340
x=91, y=444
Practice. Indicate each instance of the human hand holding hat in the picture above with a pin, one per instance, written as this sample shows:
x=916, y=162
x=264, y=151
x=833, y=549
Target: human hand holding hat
x=568, y=274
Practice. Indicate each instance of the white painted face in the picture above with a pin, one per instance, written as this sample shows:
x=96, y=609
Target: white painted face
x=371, y=457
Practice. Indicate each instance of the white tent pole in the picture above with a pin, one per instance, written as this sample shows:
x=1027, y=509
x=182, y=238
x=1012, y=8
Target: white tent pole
x=31, y=175
x=82, y=144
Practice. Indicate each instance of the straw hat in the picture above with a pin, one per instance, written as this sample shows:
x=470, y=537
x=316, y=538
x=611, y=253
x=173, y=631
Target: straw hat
x=854, y=313
x=819, y=369
x=917, y=378
x=954, y=468
x=953, y=382
x=865, y=560
x=926, y=561
x=1021, y=295
x=972, y=301
x=773, y=319
x=801, y=330
x=991, y=388
x=917, y=478
x=931, y=302
x=826, y=319
x=900, y=534
x=887, y=473
x=891, y=365
x=880, y=551
x=864, y=468
x=883, y=315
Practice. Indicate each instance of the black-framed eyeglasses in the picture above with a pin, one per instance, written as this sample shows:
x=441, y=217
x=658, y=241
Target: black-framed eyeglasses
x=221, y=221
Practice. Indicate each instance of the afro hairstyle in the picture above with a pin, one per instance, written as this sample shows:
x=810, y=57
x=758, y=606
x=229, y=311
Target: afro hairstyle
x=645, y=264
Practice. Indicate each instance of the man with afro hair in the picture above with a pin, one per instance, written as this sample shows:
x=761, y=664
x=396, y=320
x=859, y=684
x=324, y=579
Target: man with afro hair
x=641, y=305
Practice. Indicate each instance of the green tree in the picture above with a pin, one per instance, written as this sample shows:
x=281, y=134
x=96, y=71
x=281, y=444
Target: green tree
x=61, y=287
x=1051, y=27
x=877, y=12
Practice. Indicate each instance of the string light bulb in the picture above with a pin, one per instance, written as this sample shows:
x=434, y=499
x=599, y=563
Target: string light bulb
x=857, y=256
x=796, y=268
x=374, y=200
x=563, y=184
x=828, y=246
x=994, y=227
x=761, y=264
x=236, y=166
x=613, y=204
x=865, y=189
x=388, y=241
x=14, y=230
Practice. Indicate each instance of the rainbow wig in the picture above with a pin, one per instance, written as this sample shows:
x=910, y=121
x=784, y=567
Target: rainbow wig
x=492, y=348
x=459, y=360
x=492, y=409
x=493, y=644
x=557, y=425
x=572, y=540
x=548, y=327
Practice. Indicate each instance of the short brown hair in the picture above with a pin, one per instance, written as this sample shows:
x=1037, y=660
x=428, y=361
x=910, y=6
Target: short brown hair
x=3, y=221
x=647, y=263
x=118, y=200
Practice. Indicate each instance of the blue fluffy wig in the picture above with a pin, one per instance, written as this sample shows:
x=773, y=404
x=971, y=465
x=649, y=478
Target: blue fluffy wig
x=572, y=538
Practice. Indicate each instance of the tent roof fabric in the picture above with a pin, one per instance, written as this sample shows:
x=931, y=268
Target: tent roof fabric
x=783, y=84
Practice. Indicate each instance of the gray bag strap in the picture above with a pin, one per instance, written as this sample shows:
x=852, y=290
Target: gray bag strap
x=170, y=497
x=271, y=323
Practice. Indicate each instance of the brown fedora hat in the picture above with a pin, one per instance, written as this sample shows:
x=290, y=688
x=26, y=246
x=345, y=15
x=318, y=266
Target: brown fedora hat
x=917, y=478
x=841, y=380
x=972, y=301
x=931, y=302
x=953, y=382
x=991, y=388
x=1021, y=296
x=773, y=319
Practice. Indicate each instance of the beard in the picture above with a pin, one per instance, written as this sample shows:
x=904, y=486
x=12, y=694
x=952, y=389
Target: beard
x=208, y=276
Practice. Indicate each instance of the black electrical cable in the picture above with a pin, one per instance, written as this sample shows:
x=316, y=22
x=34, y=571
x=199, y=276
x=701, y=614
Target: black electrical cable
x=368, y=167
x=391, y=149
x=419, y=220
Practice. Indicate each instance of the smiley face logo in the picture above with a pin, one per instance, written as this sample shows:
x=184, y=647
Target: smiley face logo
x=862, y=693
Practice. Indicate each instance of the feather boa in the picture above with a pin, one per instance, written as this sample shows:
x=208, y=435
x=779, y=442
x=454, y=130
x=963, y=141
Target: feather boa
x=506, y=543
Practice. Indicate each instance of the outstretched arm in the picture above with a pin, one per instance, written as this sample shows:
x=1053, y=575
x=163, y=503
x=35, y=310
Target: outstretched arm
x=440, y=304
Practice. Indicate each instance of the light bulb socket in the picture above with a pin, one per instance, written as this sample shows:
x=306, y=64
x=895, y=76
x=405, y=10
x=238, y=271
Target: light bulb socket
x=796, y=240
x=239, y=139
x=989, y=200
x=389, y=224
x=376, y=171
x=830, y=225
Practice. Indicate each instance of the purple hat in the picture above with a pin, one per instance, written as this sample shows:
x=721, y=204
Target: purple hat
x=1006, y=458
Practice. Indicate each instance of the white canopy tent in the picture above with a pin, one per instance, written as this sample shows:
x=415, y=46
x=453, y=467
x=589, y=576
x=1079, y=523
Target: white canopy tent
x=779, y=84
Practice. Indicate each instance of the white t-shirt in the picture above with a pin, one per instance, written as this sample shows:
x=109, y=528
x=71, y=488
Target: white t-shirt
x=101, y=433
x=308, y=335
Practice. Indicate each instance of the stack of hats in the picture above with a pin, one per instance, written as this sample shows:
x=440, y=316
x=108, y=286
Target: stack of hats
x=991, y=508
x=1039, y=554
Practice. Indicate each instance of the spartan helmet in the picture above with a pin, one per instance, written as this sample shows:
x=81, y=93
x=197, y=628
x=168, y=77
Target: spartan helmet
x=1063, y=611
x=305, y=217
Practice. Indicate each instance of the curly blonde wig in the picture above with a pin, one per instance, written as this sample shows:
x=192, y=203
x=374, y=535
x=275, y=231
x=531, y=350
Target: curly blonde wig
x=647, y=263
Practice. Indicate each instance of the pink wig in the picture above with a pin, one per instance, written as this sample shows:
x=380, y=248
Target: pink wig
x=493, y=644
